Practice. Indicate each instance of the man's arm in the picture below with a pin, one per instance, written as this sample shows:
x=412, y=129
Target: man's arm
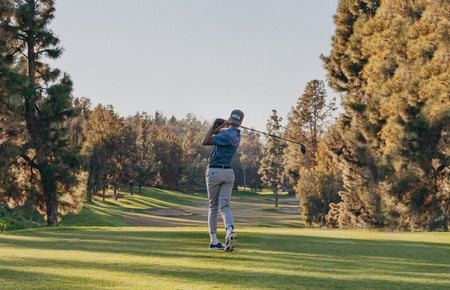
x=208, y=139
x=214, y=130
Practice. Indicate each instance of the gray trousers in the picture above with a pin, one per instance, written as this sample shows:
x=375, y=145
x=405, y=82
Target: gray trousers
x=219, y=183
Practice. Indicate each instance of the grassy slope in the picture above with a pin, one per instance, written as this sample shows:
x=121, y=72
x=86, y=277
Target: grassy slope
x=178, y=258
x=112, y=213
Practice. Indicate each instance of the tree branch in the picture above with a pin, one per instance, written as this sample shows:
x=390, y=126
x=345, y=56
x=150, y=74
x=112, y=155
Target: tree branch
x=29, y=161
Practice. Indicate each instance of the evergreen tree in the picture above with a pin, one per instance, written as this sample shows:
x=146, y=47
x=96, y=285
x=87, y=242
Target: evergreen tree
x=11, y=120
x=414, y=106
x=306, y=124
x=350, y=139
x=391, y=60
x=315, y=186
x=43, y=102
x=271, y=169
x=128, y=154
x=146, y=165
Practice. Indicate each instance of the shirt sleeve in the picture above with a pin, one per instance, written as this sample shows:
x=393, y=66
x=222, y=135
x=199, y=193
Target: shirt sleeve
x=226, y=138
x=222, y=139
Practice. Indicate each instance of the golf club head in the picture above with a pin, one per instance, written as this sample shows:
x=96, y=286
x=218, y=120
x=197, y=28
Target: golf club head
x=303, y=148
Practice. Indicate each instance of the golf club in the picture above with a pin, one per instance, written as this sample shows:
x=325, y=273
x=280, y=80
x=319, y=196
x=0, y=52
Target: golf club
x=303, y=148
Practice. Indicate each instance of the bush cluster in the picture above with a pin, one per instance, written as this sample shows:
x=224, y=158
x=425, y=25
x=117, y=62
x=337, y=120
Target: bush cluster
x=10, y=220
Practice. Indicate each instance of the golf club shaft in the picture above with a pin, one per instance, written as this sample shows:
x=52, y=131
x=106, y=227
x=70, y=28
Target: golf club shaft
x=271, y=135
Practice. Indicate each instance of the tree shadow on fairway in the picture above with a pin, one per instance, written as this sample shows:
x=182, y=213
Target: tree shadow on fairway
x=36, y=279
x=264, y=258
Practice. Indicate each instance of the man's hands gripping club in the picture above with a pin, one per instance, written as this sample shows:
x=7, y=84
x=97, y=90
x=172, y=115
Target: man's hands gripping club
x=214, y=130
x=219, y=124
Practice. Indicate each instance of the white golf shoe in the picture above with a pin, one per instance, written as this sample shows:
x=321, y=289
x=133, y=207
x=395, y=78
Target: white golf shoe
x=230, y=242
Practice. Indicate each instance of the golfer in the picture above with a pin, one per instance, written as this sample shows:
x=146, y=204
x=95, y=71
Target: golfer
x=219, y=176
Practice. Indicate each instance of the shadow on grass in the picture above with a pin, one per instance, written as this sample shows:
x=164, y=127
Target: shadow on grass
x=263, y=259
x=39, y=280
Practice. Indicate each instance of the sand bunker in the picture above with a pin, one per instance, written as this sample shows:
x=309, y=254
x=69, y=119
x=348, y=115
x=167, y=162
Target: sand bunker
x=166, y=212
x=291, y=200
x=289, y=210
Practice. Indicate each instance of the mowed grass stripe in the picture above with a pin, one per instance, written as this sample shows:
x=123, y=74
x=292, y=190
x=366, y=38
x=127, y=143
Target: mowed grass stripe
x=176, y=258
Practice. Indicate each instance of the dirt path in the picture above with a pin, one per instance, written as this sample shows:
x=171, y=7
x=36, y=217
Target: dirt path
x=246, y=213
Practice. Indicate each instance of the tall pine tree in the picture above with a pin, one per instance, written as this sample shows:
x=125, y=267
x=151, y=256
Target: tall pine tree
x=306, y=123
x=43, y=104
x=315, y=186
x=272, y=168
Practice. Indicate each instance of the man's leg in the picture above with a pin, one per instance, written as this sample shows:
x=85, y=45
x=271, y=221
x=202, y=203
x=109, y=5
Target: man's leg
x=224, y=205
x=225, y=197
x=213, y=188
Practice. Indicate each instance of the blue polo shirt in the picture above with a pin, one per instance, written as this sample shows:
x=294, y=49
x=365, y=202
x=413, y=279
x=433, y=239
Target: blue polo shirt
x=227, y=143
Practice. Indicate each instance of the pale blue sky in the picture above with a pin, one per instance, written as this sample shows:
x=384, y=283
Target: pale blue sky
x=205, y=57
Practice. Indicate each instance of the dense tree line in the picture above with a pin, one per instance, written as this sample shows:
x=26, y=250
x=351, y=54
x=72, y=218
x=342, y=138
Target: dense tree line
x=152, y=150
x=143, y=150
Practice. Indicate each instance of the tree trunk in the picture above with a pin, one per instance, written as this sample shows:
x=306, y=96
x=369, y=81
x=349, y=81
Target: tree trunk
x=52, y=210
x=104, y=189
x=245, y=182
x=140, y=187
x=276, y=197
x=51, y=202
x=115, y=193
x=131, y=189
x=445, y=223
x=90, y=189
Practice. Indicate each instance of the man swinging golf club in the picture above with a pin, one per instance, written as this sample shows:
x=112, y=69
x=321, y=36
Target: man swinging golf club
x=219, y=176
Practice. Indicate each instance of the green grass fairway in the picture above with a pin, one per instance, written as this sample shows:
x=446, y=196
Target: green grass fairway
x=178, y=258
x=124, y=244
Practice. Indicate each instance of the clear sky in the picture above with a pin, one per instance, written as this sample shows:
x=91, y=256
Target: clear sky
x=205, y=57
